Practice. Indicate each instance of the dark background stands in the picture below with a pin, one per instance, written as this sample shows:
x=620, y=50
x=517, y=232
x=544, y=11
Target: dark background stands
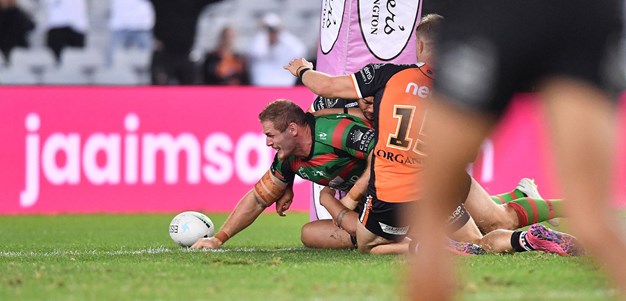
x=174, y=33
x=14, y=27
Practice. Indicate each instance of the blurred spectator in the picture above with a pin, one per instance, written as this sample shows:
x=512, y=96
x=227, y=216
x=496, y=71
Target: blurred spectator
x=224, y=66
x=14, y=27
x=175, y=33
x=131, y=23
x=66, y=24
x=271, y=47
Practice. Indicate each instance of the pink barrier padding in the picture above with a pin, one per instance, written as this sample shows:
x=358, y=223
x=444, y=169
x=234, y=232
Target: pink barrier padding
x=520, y=147
x=98, y=149
x=118, y=150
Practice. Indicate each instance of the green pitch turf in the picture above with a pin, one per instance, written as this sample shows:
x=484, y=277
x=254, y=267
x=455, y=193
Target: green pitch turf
x=131, y=257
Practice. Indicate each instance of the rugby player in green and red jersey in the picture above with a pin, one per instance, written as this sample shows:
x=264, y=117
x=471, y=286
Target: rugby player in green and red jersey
x=328, y=149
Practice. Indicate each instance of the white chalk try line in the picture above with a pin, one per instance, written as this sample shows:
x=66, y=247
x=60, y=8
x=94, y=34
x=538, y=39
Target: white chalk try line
x=158, y=250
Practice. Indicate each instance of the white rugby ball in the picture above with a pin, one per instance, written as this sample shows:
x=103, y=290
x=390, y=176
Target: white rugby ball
x=189, y=226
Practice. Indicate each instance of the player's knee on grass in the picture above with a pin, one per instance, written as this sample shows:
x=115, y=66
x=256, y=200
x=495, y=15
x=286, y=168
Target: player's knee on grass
x=307, y=235
x=323, y=234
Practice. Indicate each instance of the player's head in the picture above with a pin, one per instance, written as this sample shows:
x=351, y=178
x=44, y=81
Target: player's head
x=282, y=120
x=425, y=36
x=367, y=106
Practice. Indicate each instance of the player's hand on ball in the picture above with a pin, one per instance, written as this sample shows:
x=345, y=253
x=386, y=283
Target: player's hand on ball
x=207, y=243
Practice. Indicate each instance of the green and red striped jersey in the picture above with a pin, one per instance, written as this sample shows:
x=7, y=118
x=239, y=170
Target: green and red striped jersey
x=341, y=144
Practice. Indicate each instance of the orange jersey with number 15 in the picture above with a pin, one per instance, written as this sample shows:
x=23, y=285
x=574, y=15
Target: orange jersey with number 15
x=400, y=93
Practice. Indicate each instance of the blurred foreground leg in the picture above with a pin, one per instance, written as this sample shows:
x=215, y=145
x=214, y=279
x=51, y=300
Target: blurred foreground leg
x=452, y=140
x=583, y=134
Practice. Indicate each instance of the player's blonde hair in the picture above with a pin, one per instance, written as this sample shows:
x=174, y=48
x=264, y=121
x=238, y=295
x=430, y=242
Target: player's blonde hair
x=282, y=112
x=428, y=27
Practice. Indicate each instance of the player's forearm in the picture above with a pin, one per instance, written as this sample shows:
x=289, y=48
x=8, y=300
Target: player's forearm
x=343, y=217
x=245, y=213
x=351, y=201
x=328, y=86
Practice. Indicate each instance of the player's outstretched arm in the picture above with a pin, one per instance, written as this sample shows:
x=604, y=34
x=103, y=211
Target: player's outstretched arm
x=265, y=192
x=321, y=83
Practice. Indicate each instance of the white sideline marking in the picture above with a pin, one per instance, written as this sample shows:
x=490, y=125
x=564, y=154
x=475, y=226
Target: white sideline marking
x=159, y=250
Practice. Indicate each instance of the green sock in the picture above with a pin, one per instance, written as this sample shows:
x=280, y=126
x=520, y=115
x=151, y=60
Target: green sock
x=531, y=211
x=507, y=197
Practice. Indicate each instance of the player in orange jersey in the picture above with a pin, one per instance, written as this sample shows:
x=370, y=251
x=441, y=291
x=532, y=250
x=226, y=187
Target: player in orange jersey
x=393, y=184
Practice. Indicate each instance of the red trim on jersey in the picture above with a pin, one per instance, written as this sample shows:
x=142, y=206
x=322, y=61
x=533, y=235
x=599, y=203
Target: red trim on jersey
x=337, y=139
x=346, y=170
x=278, y=175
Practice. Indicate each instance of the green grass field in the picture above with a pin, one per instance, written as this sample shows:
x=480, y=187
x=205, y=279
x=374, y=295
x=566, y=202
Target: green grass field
x=131, y=257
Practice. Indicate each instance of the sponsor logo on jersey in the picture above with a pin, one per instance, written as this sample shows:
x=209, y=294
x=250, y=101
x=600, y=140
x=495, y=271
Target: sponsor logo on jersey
x=387, y=26
x=324, y=102
x=322, y=136
x=319, y=173
x=393, y=230
x=331, y=102
x=401, y=158
x=415, y=89
x=359, y=138
x=302, y=173
x=367, y=74
x=458, y=212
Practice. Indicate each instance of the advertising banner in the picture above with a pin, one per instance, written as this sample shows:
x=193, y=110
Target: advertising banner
x=170, y=149
x=97, y=149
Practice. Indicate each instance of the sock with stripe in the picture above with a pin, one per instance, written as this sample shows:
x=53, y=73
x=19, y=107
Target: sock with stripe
x=531, y=211
x=507, y=197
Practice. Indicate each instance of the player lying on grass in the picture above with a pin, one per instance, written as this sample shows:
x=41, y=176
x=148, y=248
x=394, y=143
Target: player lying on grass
x=393, y=184
x=341, y=161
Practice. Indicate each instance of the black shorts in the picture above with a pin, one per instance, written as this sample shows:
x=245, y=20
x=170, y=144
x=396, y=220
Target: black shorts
x=383, y=218
x=490, y=49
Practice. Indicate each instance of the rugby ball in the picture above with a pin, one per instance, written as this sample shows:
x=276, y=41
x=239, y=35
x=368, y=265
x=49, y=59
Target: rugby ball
x=189, y=226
